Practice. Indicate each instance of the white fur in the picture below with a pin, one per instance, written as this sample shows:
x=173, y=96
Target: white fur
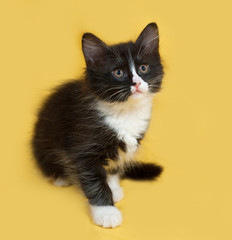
x=106, y=216
x=59, y=182
x=143, y=86
x=113, y=182
x=128, y=119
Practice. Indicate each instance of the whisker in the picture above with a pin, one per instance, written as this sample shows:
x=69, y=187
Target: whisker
x=122, y=96
x=120, y=91
x=110, y=89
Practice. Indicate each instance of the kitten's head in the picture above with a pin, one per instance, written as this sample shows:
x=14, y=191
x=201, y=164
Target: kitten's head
x=127, y=70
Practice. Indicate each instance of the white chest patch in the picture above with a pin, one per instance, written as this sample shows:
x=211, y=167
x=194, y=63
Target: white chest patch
x=129, y=120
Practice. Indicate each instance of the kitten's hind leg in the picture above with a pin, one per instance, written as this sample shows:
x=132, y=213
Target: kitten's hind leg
x=142, y=171
x=113, y=182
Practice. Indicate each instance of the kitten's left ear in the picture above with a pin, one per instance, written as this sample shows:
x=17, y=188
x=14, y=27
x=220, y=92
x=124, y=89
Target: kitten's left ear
x=94, y=49
x=148, y=40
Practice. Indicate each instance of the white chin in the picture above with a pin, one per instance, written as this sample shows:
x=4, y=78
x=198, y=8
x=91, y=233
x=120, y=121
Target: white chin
x=137, y=95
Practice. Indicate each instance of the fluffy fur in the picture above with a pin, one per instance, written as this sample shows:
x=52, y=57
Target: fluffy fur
x=88, y=130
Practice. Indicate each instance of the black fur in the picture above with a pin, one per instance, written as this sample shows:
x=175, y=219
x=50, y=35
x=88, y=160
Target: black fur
x=71, y=139
x=143, y=171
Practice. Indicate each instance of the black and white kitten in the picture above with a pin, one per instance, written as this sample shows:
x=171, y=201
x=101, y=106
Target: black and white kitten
x=88, y=130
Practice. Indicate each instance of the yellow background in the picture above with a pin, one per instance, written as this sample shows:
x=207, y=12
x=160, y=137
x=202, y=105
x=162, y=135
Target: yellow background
x=190, y=133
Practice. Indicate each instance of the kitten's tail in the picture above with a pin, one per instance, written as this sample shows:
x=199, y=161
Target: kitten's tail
x=142, y=171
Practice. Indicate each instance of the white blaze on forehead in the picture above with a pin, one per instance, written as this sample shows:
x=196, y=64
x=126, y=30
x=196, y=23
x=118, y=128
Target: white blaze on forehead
x=143, y=87
x=136, y=78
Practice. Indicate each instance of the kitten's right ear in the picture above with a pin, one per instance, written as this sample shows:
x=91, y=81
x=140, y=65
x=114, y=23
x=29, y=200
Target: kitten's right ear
x=148, y=40
x=93, y=48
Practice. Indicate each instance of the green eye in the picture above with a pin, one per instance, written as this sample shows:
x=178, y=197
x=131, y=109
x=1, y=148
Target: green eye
x=119, y=73
x=143, y=68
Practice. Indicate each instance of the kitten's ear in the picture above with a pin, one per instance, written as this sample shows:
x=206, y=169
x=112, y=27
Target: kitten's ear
x=148, y=40
x=93, y=48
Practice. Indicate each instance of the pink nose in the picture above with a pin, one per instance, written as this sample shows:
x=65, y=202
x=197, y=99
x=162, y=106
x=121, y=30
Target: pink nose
x=137, y=85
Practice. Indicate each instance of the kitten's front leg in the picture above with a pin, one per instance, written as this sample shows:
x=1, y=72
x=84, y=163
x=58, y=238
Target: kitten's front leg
x=96, y=189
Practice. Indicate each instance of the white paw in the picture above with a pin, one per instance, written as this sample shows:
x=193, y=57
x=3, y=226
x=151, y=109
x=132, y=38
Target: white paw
x=59, y=182
x=106, y=216
x=117, y=194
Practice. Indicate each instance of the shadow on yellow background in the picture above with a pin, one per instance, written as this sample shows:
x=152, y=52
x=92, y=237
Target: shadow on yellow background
x=190, y=132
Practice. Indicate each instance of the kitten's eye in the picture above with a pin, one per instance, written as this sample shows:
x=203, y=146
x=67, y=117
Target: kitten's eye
x=119, y=73
x=143, y=68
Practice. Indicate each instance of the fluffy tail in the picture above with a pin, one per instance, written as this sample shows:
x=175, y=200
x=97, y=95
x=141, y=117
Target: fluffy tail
x=143, y=171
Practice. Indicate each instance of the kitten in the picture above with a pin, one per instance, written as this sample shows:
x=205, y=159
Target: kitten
x=88, y=130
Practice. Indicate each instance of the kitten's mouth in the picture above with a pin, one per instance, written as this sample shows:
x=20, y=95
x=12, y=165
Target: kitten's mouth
x=137, y=92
